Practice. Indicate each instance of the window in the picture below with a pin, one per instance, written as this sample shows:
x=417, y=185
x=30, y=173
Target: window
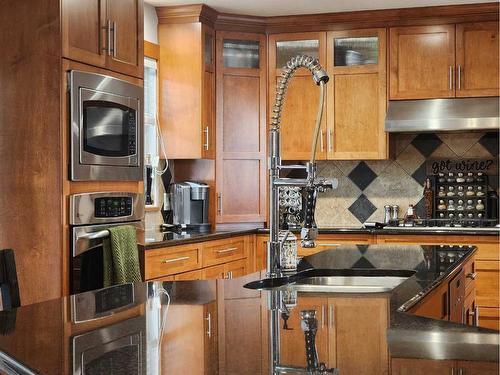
x=151, y=154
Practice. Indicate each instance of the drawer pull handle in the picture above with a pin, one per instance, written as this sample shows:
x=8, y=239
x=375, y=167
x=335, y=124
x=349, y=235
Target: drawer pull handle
x=174, y=260
x=472, y=275
x=227, y=250
x=209, y=325
x=328, y=244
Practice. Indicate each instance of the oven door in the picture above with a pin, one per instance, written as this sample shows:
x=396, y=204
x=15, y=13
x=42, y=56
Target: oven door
x=115, y=349
x=87, y=263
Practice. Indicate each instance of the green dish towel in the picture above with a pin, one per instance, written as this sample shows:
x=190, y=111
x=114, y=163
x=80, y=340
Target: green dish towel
x=121, y=256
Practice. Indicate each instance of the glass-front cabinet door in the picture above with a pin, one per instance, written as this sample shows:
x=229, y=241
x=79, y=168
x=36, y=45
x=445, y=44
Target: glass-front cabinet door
x=299, y=109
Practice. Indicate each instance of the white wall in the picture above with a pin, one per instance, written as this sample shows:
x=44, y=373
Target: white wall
x=150, y=24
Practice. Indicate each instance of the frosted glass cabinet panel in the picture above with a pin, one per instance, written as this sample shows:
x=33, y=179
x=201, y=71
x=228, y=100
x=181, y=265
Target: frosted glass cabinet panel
x=240, y=53
x=355, y=51
x=287, y=49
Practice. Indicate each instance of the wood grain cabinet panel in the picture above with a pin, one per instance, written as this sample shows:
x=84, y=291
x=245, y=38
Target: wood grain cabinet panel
x=411, y=366
x=171, y=260
x=489, y=317
x=127, y=21
x=83, y=35
x=241, y=127
x=105, y=33
x=477, y=368
x=301, y=103
x=292, y=348
x=422, y=62
x=487, y=282
x=357, y=100
x=187, y=89
x=477, y=59
x=351, y=318
x=223, y=251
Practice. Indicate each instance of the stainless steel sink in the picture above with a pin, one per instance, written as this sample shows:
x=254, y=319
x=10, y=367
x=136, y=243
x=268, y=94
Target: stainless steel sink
x=347, y=284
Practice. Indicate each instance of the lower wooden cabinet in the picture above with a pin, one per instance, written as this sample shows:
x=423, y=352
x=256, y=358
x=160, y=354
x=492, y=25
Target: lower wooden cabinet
x=228, y=270
x=190, y=340
x=435, y=305
x=338, y=333
x=414, y=366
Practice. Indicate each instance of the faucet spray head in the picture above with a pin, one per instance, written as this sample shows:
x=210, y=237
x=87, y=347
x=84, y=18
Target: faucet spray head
x=319, y=76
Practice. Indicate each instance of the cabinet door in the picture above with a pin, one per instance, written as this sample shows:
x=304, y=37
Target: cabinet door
x=457, y=294
x=208, y=94
x=422, y=62
x=357, y=95
x=487, y=283
x=477, y=368
x=489, y=317
x=411, y=366
x=211, y=339
x=352, y=318
x=302, y=96
x=470, y=309
x=292, y=345
x=236, y=269
x=83, y=31
x=127, y=24
x=477, y=59
x=241, y=127
x=214, y=272
x=192, y=275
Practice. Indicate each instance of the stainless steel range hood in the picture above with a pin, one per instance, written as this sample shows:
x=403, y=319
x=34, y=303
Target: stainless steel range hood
x=433, y=115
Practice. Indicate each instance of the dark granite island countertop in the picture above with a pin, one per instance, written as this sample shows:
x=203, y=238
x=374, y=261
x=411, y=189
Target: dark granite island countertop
x=208, y=327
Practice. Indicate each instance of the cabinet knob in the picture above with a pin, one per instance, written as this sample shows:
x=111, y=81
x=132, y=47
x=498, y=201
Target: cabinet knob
x=472, y=275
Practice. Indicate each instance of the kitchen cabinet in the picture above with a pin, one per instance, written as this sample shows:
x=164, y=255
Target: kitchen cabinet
x=187, y=88
x=301, y=102
x=241, y=127
x=171, y=260
x=191, y=339
x=444, y=61
x=413, y=366
x=105, y=33
x=477, y=59
x=471, y=310
x=228, y=270
x=457, y=296
x=354, y=113
x=292, y=344
x=356, y=101
x=435, y=305
x=351, y=318
x=222, y=251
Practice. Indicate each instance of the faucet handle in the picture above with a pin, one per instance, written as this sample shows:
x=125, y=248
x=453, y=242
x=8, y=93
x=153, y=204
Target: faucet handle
x=323, y=184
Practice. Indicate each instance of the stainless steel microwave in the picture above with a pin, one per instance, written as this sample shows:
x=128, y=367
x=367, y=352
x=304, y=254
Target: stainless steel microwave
x=106, y=128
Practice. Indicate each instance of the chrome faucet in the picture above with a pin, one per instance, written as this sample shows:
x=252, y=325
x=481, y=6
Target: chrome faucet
x=310, y=185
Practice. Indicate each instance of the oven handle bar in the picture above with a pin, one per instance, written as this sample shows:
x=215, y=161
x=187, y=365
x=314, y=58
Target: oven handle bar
x=95, y=235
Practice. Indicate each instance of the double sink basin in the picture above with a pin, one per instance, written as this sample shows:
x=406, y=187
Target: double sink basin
x=337, y=281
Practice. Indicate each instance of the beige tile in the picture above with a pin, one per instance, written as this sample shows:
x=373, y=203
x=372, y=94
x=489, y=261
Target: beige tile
x=410, y=159
x=477, y=151
x=401, y=141
x=346, y=166
x=444, y=151
x=378, y=166
x=460, y=143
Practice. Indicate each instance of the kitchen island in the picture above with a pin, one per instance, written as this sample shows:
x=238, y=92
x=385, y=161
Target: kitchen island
x=209, y=327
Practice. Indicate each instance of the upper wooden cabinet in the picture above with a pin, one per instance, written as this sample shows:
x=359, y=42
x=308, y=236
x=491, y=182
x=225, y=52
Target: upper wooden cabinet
x=353, y=119
x=241, y=127
x=357, y=100
x=300, y=106
x=187, y=89
x=444, y=61
x=477, y=59
x=105, y=33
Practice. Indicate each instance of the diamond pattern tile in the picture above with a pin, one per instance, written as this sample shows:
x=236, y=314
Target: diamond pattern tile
x=490, y=142
x=362, y=175
x=443, y=151
x=362, y=208
x=410, y=159
x=401, y=141
x=426, y=143
x=459, y=143
x=420, y=174
x=477, y=151
x=363, y=263
x=420, y=208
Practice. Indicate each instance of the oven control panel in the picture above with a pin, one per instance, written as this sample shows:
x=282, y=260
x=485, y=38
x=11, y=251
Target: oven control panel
x=113, y=206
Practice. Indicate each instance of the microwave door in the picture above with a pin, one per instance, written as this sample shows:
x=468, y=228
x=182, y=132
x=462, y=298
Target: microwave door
x=108, y=129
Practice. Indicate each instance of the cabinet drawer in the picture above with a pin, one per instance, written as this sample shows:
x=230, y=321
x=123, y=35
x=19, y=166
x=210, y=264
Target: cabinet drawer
x=172, y=260
x=217, y=252
x=487, y=283
x=488, y=251
x=489, y=317
x=214, y=272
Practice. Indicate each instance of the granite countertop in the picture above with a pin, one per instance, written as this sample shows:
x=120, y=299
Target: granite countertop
x=155, y=238
x=39, y=337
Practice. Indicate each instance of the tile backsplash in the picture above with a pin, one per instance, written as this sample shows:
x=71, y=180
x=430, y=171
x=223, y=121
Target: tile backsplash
x=366, y=186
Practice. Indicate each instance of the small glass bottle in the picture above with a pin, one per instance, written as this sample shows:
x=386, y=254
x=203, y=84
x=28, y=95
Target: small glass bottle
x=442, y=205
x=460, y=178
x=470, y=177
x=441, y=177
x=451, y=205
x=470, y=191
x=479, y=205
x=451, y=191
x=480, y=192
x=451, y=177
x=441, y=192
x=480, y=177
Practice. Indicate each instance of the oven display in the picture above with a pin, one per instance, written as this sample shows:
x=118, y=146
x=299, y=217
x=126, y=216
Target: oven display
x=113, y=206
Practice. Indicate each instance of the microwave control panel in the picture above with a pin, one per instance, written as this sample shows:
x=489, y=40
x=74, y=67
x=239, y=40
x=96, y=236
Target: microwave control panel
x=113, y=206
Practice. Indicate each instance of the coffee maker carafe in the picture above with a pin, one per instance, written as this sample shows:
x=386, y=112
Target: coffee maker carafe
x=190, y=206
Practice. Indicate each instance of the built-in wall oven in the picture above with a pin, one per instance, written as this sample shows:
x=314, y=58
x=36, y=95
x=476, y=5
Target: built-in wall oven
x=91, y=216
x=106, y=128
